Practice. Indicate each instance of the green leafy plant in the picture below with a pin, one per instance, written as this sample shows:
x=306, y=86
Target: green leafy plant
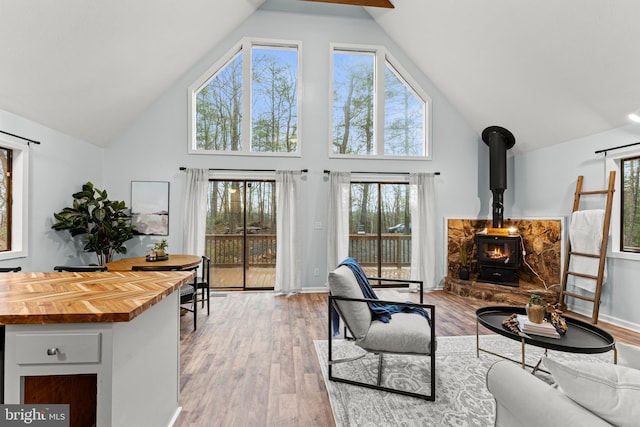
x=105, y=223
x=160, y=247
x=536, y=300
x=536, y=309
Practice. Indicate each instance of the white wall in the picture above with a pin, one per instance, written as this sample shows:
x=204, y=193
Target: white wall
x=155, y=146
x=545, y=182
x=58, y=168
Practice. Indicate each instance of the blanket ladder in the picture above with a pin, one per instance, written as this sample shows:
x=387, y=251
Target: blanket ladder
x=595, y=299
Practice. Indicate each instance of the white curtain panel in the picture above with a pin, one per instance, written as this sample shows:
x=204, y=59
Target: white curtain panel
x=288, y=269
x=338, y=218
x=423, y=242
x=195, y=213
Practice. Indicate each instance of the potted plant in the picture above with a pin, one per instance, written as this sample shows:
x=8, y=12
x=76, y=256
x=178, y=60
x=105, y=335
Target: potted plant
x=536, y=309
x=160, y=248
x=105, y=223
x=463, y=270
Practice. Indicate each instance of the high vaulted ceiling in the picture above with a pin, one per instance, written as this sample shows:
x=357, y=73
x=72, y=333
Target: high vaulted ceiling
x=548, y=70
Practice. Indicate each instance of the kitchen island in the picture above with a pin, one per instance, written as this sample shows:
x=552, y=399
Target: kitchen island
x=119, y=328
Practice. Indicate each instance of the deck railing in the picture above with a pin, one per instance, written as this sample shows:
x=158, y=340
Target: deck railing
x=226, y=250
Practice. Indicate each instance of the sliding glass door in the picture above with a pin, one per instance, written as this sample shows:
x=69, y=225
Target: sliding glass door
x=380, y=228
x=241, y=234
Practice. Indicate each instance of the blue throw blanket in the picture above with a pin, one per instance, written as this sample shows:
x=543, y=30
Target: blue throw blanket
x=379, y=311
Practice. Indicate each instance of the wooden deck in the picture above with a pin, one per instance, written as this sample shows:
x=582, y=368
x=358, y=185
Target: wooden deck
x=265, y=277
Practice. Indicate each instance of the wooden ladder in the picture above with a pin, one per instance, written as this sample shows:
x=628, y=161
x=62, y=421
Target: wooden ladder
x=602, y=256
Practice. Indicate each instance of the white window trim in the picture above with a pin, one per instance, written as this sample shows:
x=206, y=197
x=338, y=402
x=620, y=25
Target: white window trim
x=613, y=163
x=379, y=68
x=20, y=193
x=244, y=48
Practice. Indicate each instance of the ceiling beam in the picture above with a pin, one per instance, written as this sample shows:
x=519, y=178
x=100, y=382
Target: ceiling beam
x=374, y=3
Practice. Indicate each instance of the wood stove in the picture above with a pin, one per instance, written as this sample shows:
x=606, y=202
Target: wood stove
x=498, y=258
x=498, y=254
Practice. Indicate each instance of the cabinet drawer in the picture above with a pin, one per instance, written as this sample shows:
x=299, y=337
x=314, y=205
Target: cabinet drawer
x=57, y=348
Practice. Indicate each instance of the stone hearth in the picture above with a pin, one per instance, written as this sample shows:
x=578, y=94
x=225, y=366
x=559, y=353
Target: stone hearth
x=499, y=294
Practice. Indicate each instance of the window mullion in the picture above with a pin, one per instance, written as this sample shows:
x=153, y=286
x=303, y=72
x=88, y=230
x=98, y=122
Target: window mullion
x=246, y=96
x=378, y=132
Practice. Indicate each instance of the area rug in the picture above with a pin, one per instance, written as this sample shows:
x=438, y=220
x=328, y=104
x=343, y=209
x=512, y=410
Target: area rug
x=462, y=398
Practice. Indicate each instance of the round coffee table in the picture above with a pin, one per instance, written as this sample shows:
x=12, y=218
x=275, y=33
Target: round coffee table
x=581, y=337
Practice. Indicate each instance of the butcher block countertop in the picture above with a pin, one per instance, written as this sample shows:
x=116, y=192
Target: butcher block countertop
x=39, y=298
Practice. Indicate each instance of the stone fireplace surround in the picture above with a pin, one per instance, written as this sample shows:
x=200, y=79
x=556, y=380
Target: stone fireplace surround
x=543, y=243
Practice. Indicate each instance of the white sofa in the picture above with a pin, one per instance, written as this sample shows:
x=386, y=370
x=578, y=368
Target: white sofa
x=523, y=400
x=588, y=394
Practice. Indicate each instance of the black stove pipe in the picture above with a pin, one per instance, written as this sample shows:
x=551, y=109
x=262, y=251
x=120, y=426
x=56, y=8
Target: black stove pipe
x=499, y=141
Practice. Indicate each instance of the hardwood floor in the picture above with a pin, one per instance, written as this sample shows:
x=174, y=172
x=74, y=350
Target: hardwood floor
x=252, y=362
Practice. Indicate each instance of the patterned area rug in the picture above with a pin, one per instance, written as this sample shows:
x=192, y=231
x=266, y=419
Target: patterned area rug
x=462, y=398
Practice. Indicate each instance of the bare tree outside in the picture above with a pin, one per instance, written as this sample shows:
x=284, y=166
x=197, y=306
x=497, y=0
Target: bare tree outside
x=630, y=201
x=274, y=103
x=353, y=97
x=404, y=118
x=380, y=228
x=274, y=100
x=355, y=113
x=219, y=108
x=5, y=199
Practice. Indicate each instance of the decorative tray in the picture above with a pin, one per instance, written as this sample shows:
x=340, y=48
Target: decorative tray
x=158, y=258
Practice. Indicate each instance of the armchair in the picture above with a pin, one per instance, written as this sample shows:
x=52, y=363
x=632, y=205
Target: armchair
x=409, y=327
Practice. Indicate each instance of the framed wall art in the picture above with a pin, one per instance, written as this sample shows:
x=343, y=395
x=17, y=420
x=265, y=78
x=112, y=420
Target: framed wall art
x=150, y=207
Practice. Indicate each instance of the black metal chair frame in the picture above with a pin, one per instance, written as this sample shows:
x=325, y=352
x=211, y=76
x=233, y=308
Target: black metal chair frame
x=188, y=293
x=432, y=351
x=80, y=268
x=204, y=282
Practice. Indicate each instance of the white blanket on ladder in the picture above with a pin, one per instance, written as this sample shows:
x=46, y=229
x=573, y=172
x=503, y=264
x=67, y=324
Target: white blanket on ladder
x=585, y=232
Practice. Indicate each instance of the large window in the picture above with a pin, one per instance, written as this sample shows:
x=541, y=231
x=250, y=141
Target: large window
x=380, y=228
x=13, y=197
x=248, y=102
x=377, y=109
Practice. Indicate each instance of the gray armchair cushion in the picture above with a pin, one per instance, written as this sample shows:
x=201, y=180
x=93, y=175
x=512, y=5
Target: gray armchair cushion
x=342, y=283
x=405, y=333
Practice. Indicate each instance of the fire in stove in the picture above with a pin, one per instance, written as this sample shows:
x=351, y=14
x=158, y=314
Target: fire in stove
x=496, y=253
x=498, y=258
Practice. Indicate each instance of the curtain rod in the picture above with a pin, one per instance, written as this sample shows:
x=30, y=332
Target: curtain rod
x=382, y=173
x=244, y=170
x=29, y=141
x=616, y=148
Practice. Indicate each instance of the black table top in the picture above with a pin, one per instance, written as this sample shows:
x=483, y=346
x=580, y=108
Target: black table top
x=581, y=337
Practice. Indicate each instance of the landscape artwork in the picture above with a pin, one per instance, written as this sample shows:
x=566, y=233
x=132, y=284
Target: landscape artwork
x=150, y=207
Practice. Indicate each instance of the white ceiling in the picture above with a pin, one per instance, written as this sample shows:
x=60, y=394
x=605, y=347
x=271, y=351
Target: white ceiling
x=547, y=70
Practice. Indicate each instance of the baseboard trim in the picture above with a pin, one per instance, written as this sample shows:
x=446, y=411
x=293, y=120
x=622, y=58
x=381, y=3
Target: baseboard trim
x=315, y=290
x=606, y=318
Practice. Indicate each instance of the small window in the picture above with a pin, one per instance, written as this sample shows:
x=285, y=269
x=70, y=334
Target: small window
x=6, y=186
x=248, y=102
x=630, y=204
x=377, y=109
x=625, y=212
x=14, y=167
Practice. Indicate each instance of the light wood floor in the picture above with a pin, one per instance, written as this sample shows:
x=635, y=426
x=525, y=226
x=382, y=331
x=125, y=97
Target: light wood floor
x=252, y=362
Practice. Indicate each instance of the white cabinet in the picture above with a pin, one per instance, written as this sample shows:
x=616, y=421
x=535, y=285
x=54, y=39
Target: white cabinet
x=131, y=360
